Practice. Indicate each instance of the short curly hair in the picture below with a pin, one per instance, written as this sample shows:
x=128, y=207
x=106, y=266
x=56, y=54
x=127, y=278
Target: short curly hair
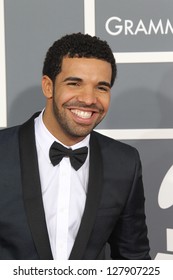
x=77, y=45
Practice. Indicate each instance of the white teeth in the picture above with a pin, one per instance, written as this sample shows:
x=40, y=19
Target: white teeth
x=82, y=114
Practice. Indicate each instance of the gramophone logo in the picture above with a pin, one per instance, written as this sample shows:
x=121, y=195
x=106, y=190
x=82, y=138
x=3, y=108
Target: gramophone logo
x=165, y=200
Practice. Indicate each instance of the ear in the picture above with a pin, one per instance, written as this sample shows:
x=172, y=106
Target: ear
x=47, y=87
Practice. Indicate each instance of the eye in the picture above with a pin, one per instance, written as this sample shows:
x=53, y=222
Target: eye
x=103, y=89
x=73, y=84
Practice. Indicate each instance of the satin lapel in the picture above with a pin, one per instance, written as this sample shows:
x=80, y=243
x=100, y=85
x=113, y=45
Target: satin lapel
x=32, y=189
x=92, y=201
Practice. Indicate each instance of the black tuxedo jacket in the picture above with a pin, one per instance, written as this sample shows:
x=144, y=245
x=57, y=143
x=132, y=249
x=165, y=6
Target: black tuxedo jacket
x=114, y=210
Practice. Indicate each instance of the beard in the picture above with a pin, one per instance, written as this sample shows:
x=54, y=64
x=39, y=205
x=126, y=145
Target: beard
x=69, y=127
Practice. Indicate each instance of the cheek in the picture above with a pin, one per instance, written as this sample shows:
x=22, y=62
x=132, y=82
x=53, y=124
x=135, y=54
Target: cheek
x=105, y=101
x=63, y=97
x=59, y=98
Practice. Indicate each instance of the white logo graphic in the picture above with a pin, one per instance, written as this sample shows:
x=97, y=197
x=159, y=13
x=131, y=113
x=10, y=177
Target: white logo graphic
x=127, y=27
x=165, y=197
x=165, y=200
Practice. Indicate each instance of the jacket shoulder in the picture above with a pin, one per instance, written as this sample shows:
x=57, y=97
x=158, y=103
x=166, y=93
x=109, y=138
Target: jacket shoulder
x=106, y=142
x=7, y=134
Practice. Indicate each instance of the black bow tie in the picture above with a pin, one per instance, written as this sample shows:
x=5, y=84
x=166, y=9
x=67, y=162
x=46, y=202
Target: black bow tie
x=77, y=157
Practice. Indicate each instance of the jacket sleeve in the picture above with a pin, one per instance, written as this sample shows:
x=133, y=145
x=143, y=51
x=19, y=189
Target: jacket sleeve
x=129, y=239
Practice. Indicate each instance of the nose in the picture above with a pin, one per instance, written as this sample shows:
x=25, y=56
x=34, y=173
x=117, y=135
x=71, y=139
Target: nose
x=88, y=96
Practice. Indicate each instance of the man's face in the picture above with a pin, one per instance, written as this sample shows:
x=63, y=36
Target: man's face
x=80, y=98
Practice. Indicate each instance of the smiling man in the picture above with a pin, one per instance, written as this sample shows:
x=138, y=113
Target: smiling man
x=79, y=98
x=67, y=191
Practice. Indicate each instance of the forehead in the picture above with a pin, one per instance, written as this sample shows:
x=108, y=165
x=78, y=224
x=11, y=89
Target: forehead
x=86, y=66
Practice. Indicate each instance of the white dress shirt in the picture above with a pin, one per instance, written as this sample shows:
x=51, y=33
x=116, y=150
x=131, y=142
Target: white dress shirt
x=63, y=190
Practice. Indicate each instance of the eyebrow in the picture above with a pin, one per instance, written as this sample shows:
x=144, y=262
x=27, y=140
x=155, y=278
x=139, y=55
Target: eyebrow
x=72, y=79
x=77, y=79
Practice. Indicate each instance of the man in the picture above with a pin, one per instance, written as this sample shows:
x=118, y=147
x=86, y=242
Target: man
x=69, y=201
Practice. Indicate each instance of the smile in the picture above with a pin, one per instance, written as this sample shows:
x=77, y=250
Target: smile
x=82, y=114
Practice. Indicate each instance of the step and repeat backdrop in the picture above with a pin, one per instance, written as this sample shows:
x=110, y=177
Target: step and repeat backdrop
x=140, y=34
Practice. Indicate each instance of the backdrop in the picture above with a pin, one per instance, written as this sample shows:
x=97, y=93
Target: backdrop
x=140, y=34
